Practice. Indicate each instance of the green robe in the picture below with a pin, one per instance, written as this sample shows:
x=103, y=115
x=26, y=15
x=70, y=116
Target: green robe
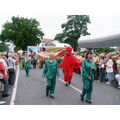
x=27, y=66
x=22, y=60
x=87, y=84
x=50, y=71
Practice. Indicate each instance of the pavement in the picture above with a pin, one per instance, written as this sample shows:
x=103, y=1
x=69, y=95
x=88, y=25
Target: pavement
x=31, y=91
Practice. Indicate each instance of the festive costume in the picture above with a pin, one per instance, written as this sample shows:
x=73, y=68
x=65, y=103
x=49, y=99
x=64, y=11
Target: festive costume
x=68, y=64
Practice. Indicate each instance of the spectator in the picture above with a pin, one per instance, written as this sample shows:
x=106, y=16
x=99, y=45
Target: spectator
x=96, y=61
x=109, y=69
x=4, y=80
x=4, y=64
x=117, y=77
x=118, y=62
x=12, y=69
x=101, y=69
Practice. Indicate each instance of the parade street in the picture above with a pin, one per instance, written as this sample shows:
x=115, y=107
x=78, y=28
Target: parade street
x=31, y=91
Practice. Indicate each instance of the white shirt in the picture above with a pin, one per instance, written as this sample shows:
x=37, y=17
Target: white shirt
x=109, y=67
x=11, y=63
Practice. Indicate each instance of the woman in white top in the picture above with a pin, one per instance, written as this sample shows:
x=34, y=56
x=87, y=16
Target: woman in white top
x=109, y=69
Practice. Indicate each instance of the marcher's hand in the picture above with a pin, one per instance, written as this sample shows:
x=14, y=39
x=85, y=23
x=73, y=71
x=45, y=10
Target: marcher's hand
x=89, y=78
x=92, y=67
x=57, y=77
x=7, y=68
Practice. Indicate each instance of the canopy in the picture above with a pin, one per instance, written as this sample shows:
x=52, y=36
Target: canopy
x=100, y=42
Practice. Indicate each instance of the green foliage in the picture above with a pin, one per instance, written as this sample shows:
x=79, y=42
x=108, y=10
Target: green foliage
x=22, y=32
x=3, y=47
x=73, y=29
x=103, y=50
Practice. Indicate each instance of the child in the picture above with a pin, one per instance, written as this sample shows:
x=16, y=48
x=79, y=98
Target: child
x=117, y=77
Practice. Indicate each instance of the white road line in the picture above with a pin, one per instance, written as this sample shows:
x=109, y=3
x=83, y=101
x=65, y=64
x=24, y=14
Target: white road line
x=71, y=86
x=15, y=88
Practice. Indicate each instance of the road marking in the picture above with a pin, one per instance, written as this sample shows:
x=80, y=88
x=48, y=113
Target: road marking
x=15, y=88
x=71, y=86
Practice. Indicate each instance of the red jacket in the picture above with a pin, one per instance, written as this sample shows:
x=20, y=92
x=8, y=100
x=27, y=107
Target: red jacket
x=2, y=69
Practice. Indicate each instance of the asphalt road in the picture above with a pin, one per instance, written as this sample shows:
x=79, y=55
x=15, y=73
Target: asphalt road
x=31, y=91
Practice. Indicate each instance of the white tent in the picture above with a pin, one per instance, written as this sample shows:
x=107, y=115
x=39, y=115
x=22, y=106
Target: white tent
x=100, y=42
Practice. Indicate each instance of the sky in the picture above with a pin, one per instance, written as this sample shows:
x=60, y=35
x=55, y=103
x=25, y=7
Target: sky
x=101, y=25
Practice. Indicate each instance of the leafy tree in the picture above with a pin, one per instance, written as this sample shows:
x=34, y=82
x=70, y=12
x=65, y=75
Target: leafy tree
x=73, y=29
x=103, y=50
x=22, y=32
x=3, y=47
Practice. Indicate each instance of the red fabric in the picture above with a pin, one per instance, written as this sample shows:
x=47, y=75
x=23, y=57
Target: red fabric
x=68, y=64
x=113, y=65
x=2, y=69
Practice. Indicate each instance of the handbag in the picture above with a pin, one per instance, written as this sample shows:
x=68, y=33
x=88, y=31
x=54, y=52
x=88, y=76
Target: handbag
x=1, y=75
x=11, y=70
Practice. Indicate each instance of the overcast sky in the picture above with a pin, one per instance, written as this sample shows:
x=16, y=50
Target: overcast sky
x=105, y=20
x=51, y=24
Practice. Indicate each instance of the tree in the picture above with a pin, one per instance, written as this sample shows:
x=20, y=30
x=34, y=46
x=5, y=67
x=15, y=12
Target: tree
x=102, y=50
x=73, y=29
x=22, y=32
x=3, y=47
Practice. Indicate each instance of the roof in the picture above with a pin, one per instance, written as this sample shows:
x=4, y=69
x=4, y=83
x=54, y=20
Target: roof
x=100, y=42
x=48, y=41
x=57, y=44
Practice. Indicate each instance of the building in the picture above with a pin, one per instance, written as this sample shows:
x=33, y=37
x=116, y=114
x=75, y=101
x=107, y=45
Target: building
x=53, y=43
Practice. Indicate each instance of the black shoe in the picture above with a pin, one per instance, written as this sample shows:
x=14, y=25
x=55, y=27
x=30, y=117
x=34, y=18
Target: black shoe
x=52, y=97
x=66, y=84
x=69, y=82
x=82, y=99
x=88, y=102
x=5, y=95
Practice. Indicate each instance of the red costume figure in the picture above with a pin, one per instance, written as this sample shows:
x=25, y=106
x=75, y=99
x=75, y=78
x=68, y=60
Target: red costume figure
x=68, y=64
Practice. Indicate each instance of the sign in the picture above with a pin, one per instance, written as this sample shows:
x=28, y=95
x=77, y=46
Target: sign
x=16, y=49
x=31, y=49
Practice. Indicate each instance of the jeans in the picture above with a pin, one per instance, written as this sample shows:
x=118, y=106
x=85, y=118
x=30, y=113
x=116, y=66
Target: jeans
x=101, y=74
x=109, y=77
x=5, y=82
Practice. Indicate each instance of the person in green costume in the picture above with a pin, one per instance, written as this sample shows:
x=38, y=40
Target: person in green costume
x=27, y=65
x=50, y=71
x=88, y=69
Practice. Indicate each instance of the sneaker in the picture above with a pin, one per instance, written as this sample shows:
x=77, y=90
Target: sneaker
x=98, y=81
x=108, y=83
x=2, y=102
x=118, y=87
